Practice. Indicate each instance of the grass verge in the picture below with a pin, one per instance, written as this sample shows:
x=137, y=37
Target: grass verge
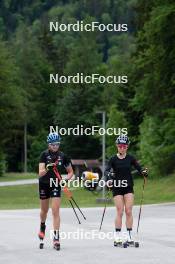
x=12, y=176
x=26, y=196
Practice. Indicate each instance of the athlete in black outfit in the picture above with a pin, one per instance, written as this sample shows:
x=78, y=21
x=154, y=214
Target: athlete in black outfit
x=118, y=173
x=48, y=185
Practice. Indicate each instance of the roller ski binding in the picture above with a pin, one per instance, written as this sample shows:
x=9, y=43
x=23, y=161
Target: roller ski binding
x=130, y=241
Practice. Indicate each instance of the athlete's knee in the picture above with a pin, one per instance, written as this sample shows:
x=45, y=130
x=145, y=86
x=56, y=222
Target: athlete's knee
x=120, y=212
x=128, y=211
x=55, y=212
x=44, y=211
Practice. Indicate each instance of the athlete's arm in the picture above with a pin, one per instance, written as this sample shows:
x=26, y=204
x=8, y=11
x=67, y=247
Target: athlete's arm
x=68, y=166
x=70, y=172
x=108, y=169
x=138, y=167
x=42, y=169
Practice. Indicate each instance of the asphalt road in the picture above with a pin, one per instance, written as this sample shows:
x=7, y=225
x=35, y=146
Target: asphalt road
x=19, y=243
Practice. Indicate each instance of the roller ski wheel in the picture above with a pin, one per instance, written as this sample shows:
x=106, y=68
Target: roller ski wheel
x=118, y=244
x=56, y=245
x=136, y=244
x=41, y=245
x=125, y=245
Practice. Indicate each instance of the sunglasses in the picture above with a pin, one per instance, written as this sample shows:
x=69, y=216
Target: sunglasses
x=54, y=144
x=124, y=146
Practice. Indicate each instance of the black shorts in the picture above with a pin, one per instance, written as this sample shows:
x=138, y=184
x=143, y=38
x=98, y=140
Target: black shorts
x=122, y=190
x=46, y=191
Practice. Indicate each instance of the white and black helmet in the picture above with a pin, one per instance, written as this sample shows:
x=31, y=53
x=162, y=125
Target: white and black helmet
x=122, y=139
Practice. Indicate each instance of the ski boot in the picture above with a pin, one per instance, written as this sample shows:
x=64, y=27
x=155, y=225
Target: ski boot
x=130, y=241
x=118, y=241
x=56, y=244
x=41, y=236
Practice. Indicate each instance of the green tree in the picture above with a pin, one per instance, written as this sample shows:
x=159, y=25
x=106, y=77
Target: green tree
x=154, y=83
x=79, y=100
x=11, y=101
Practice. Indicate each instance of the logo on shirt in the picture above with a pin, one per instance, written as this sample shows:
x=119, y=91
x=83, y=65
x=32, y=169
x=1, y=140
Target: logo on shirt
x=59, y=161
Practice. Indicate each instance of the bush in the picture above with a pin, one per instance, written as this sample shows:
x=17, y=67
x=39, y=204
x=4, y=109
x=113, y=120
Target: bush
x=37, y=146
x=157, y=145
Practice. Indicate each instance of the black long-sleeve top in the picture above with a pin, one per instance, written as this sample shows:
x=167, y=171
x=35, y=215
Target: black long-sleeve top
x=122, y=168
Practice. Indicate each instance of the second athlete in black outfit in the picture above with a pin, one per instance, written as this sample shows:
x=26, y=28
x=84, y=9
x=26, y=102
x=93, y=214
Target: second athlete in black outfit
x=119, y=175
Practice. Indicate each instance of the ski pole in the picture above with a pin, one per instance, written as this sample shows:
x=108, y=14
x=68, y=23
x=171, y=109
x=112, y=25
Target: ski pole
x=75, y=211
x=141, y=202
x=67, y=192
x=78, y=207
x=104, y=210
x=69, y=195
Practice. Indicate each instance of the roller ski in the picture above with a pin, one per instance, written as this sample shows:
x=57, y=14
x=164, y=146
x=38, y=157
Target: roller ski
x=120, y=243
x=130, y=241
x=126, y=242
x=41, y=235
x=56, y=244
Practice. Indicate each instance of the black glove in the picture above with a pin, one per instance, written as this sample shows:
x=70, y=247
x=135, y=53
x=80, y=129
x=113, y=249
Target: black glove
x=110, y=179
x=49, y=166
x=145, y=172
x=110, y=176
